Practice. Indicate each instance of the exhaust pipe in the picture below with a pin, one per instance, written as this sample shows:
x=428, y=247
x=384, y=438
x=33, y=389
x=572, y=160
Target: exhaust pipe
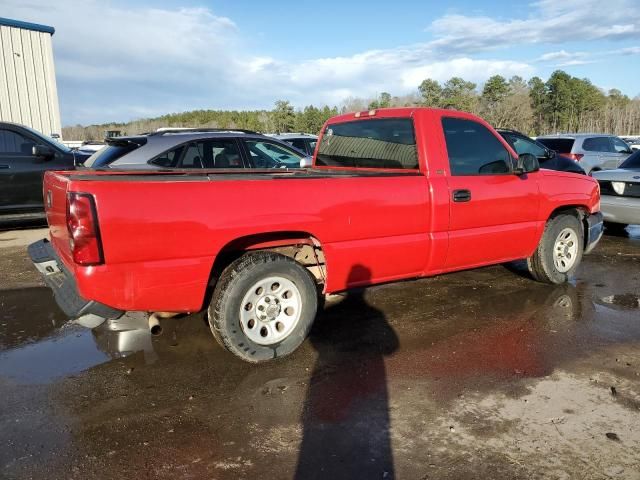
x=154, y=321
x=154, y=324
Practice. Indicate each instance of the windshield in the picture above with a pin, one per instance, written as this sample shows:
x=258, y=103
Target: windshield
x=60, y=146
x=110, y=154
x=373, y=143
x=633, y=161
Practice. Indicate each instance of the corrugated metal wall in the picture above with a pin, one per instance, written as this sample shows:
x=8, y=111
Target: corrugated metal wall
x=28, y=92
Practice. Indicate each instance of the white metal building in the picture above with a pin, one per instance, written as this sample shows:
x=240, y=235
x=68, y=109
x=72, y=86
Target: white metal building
x=28, y=93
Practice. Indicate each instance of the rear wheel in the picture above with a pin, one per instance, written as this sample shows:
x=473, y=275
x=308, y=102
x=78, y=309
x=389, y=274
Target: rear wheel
x=559, y=252
x=263, y=306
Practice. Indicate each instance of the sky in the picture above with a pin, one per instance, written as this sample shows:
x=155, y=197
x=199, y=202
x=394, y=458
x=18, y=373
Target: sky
x=123, y=60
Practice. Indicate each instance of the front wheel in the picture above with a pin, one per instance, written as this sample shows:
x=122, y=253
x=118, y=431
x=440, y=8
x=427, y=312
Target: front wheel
x=263, y=306
x=559, y=252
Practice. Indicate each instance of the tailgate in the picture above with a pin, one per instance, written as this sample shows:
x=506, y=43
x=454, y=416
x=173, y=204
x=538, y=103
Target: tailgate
x=55, y=203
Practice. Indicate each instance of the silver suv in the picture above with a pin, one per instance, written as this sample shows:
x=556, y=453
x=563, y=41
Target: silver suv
x=592, y=151
x=203, y=148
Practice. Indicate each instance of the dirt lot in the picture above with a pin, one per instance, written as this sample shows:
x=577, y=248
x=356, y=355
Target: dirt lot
x=481, y=374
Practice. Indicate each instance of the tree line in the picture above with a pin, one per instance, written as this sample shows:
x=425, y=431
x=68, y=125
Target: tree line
x=561, y=104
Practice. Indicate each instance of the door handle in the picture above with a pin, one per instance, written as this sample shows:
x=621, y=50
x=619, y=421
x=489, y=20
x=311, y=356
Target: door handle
x=4, y=166
x=461, y=195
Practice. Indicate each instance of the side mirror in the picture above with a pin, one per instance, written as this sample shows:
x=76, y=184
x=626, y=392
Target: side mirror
x=527, y=163
x=42, y=151
x=306, y=162
x=551, y=154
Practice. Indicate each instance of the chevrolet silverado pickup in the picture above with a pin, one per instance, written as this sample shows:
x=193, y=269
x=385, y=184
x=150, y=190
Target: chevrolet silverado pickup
x=393, y=194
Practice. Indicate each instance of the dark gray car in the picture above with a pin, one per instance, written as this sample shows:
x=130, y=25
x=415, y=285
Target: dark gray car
x=25, y=154
x=195, y=148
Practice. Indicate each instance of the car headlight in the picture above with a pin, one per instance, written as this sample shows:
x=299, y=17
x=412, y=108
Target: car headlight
x=618, y=187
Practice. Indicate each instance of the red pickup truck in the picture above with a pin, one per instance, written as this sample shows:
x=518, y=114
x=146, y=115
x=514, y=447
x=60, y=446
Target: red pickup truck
x=393, y=194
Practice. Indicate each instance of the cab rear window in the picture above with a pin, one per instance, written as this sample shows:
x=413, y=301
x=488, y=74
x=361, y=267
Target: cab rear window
x=372, y=143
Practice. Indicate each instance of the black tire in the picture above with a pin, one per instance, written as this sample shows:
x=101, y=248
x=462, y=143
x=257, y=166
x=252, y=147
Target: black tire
x=541, y=264
x=236, y=281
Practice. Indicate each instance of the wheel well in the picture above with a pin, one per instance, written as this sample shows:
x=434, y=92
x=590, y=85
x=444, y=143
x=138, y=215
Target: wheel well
x=301, y=246
x=578, y=211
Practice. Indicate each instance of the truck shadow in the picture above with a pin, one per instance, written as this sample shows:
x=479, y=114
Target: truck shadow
x=346, y=426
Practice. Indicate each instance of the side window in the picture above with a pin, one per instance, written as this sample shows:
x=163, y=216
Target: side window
x=169, y=159
x=619, y=146
x=15, y=144
x=299, y=144
x=473, y=149
x=597, y=144
x=312, y=146
x=522, y=145
x=192, y=157
x=270, y=155
x=221, y=154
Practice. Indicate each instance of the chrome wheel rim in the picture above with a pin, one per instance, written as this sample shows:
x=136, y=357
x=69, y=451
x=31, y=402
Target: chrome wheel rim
x=565, y=250
x=270, y=310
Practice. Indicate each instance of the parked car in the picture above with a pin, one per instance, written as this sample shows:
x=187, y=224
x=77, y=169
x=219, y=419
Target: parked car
x=25, y=155
x=395, y=194
x=591, y=150
x=633, y=142
x=305, y=142
x=547, y=158
x=195, y=148
x=620, y=190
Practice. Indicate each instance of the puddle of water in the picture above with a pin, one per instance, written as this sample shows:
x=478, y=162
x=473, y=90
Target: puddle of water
x=70, y=352
x=38, y=344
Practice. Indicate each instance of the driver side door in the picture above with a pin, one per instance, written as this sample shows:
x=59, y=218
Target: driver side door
x=493, y=212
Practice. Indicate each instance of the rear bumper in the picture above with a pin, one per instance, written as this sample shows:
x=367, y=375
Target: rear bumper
x=594, y=232
x=63, y=284
x=620, y=209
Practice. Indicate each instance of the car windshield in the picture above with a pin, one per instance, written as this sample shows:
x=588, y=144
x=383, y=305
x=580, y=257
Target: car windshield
x=632, y=162
x=561, y=145
x=373, y=143
x=46, y=138
x=111, y=153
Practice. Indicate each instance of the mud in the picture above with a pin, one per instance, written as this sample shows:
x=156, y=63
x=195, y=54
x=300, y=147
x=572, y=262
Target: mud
x=480, y=374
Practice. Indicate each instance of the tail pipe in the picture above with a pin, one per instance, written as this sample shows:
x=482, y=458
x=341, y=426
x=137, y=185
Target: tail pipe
x=154, y=321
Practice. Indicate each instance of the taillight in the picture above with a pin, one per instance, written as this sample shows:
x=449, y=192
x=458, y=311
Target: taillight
x=84, y=235
x=574, y=156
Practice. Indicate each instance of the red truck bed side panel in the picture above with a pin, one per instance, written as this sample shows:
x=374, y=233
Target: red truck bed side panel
x=160, y=238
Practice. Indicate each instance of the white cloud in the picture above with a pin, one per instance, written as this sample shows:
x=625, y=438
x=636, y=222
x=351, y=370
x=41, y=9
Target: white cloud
x=630, y=51
x=549, y=21
x=562, y=55
x=563, y=58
